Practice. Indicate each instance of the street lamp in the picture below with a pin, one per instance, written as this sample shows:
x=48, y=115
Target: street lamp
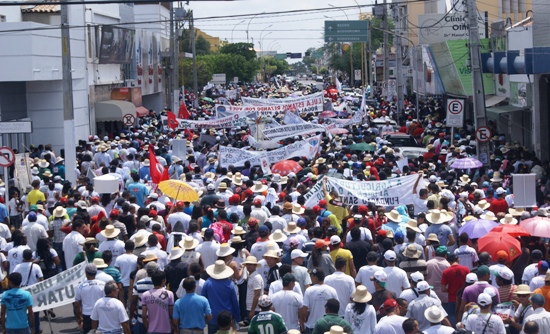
x=234, y=29
x=248, y=26
x=262, y=49
x=261, y=45
x=350, y=50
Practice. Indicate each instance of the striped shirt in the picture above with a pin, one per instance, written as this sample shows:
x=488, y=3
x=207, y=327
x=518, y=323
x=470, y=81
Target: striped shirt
x=141, y=287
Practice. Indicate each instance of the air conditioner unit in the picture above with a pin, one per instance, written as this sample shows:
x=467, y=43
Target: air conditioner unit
x=130, y=82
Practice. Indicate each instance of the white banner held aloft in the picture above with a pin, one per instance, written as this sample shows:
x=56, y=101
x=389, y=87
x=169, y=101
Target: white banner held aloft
x=58, y=290
x=22, y=171
x=179, y=148
x=292, y=130
x=233, y=121
x=263, y=110
x=292, y=118
x=524, y=190
x=391, y=192
x=303, y=104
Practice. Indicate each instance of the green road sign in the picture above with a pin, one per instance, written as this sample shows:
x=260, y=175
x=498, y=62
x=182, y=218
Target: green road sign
x=346, y=31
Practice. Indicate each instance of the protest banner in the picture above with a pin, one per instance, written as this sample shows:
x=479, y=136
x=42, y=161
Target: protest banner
x=292, y=118
x=305, y=148
x=58, y=290
x=251, y=111
x=292, y=130
x=390, y=192
x=22, y=172
x=233, y=121
x=179, y=148
x=303, y=104
x=264, y=163
x=524, y=190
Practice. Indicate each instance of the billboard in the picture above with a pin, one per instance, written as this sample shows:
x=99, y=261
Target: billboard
x=436, y=28
x=117, y=45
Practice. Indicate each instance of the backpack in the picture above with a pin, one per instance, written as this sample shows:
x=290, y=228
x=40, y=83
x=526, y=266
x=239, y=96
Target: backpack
x=218, y=232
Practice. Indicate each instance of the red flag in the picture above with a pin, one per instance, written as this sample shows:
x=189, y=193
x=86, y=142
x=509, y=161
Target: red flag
x=183, y=113
x=172, y=121
x=158, y=172
x=188, y=134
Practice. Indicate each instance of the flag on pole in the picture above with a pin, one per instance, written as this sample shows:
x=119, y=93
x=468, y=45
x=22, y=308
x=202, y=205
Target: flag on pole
x=172, y=121
x=158, y=172
x=183, y=113
x=338, y=84
x=363, y=102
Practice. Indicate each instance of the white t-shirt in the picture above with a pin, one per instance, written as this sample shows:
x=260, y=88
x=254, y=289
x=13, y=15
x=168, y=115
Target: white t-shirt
x=287, y=304
x=30, y=273
x=302, y=276
x=88, y=292
x=5, y=231
x=467, y=256
x=110, y=313
x=208, y=251
x=259, y=249
x=179, y=217
x=363, y=323
x=126, y=263
x=277, y=286
x=397, y=280
x=344, y=286
x=477, y=322
x=255, y=282
x=439, y=329
x=198, y=288
x=162, y=256
x=34, y=231
x=71, y=247
x=494, y=269
x=390, y=325
x=116, y=247
x=420, y=205
x=15, y=256
x=364, y=274
x=315, y=298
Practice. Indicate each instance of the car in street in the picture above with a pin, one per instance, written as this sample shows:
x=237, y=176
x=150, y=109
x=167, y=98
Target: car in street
x=319, y=78
x=406, y=144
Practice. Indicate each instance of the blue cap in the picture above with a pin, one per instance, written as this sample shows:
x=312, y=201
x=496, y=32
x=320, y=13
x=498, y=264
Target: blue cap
x=542, y=265
x=399, y=236
x=263, y=228
x=301, y=221
x=537, y=299
x=32, y=216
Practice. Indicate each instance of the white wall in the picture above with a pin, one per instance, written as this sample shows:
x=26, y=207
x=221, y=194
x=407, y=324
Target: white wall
x=12, y=13
x=155, y=13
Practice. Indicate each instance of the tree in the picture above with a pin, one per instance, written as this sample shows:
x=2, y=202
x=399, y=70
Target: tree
x=202, y=46
x=204, y=73
x=298, y=67
x=377, y=35
x=233, y=65
x=281, y=65
x=244, y=49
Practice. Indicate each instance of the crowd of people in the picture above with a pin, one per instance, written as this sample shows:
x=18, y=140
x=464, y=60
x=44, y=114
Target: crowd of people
x=249, y=254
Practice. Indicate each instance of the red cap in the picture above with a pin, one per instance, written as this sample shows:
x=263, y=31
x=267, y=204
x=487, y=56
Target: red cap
x=94, y=219
x=152, y=213
x=63, y=200
x=316, y=209
x=180, y=204
x=252, y=221
x=390, y=303
x=282, y=196
x=322, y=203
x=257, y=202
x=363, y=209
x=94, y=199
x=234, y=199
x=320, y=243
x=169, y=204
x=248, y=192
x=382, y=233
x=114, y=213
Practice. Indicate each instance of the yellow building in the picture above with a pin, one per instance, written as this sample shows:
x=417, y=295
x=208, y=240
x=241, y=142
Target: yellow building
x=215, y=42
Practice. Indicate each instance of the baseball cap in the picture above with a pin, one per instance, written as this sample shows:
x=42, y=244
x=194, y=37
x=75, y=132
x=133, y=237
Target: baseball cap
x=91, y=269
x=322, y=203
x=537, y=299
x=502, y=255
x=252, y=221
x=208, y=233
x=390, y=303
x=423, y=286
x=294, y=241
x=32, y=216
x=541, y=265
x=287, y=278
x=441, y=251
x=417, y=276
x=335, y=240
x=320, y=243
x=211, y=187
x=500, y=191
x=482, y=271
x=264, y=301
x=505, y=273
x=471, y=278
x=399, y=236
x=301, y=221
x=263, y=228
x=297, y=253
x=390, y=255
x=380, y=276
x=153, y=195
x=484, y=299
x=382, y=233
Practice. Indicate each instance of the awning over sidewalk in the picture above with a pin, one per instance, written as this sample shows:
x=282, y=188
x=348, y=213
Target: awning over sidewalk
x=142, y=111
x=491, y=100
x=503, y=109
x=113, y=110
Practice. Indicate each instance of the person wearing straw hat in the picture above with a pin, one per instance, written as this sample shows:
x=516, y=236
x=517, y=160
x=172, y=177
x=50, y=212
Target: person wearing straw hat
x=220, y=292
x=421, y=303
x=359, y=314
x=255, y=285
x=434, y=316
x=112, y=243
x=523, y=310
x=190, y=254
x=267, y=321
x=444, y=232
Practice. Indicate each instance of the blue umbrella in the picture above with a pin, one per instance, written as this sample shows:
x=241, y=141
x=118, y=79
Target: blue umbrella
x=477, y=228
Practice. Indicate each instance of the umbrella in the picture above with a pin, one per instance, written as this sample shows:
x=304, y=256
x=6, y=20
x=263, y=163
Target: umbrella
x=338, y=131
x=494, y=242
x=477, y=228
x=327, y=114
x=207, y=99
x=466, y=163
x=537, y=226
x=362, y=147
x=513, y=230
x=178, y=190
x=286, y=166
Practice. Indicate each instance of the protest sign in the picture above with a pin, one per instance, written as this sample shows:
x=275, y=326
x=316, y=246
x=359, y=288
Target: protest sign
x=251, y=111
x=179, y=148
x=303, y=104
x=305, y=148
x=22, y=171
x=292, y=118
x=58, y=290
x=292, y=130
x=524, y=190
x=264, y=163
x=233, y=121
x=390, y=192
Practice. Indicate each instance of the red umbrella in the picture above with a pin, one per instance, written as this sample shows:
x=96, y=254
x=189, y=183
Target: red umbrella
x=286, y=166
x=327, y=114
x=513, y=230
x=338, y=131
x=494, y=242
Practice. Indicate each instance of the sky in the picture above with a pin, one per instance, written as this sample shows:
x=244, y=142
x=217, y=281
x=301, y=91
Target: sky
x=291, y=32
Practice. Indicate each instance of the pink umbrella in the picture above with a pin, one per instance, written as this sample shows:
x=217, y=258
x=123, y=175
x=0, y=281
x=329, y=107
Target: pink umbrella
x=338, y=131
x=327, y=114
x=286, y=166
x=537, y=226
x=466, y=163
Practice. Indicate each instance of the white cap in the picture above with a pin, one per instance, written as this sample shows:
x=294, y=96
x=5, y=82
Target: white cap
x=484, y=299
x=297, y=253
x=423, y=286
x=505, y=273
x=471, y=278
x=432, y=178
x=335, y=239
x=500, y=191
x=390, y=255
x=381, y=276
x=211, y=186
x=153, y=195
x=417, y=276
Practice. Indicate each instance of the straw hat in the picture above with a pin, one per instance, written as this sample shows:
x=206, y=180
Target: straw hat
x=516, y=212
x=238, y=230
x=47, y=173
x=434, y=315
x=236, y=240
x=464, y=179
x=43, y=164
x=224, y=250
x=176, y=253
x=284, y=180
x=412, y=252
x=361, y=295
x=496, y=177
x=59, y=212
x=99, y=263
x=413, y=225
x=88, y=240
x=394, y=216
x=110, y=232
x=251, y=260
x=140, y=240
x=436, y=217
x=292, y=228
x=335, y=330
x=150, y=257
x=488, y=216
x=278, y=236
x=219, y=270
x=272, y=253
x=509, y=219
x=297, y=209
x=483, y=204
x=209, y=175
x=189, y=243
x=238, y=179
x=432, y=237
x=258, y=188
x=146, y=162
x=58, y=159
x=523, y=289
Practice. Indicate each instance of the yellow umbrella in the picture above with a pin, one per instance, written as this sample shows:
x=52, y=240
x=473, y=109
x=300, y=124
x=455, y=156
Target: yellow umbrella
x=178, y=190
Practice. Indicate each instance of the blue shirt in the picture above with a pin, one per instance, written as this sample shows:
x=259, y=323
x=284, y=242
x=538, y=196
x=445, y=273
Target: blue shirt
x=190, y=310
x=3, y=212
x=145, y=173
x=16, y=302
x=140, y=191
x=221, y=296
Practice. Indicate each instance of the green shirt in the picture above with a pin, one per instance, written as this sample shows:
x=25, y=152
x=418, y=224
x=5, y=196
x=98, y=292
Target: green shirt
x=267, y=322
x=114, y=273
x=328, y=320
x=79, y=258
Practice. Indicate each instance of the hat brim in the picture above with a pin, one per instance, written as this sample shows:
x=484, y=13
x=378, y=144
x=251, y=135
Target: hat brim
x=193, y=246
x=364, y=299
x=115, y=233
x=175, y=255
x=416, y=229
x=260, y=190
x=293, y=231
x=226, y=273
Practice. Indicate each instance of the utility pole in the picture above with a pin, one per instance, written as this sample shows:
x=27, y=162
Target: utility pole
x=194, y=51
x=398, y=57
x=68, y=111
x=370, y=78
x=478, y=91
x=386, y=46
x=173, y=70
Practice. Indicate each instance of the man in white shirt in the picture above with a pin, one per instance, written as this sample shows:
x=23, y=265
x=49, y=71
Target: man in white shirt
x=179, y=215
x=434, y=316
x=502, y=259
x=540, y=315
x=397, y=277
x=485, y=322
x=34, y=231
x=86, y=295
x=298, y=269
x=154, y=248
x=538, y=281
x=365, y=273
x=342, y=283
x=532, y=270
x=72, y=244
x=392, y=323
x=258, y=212
x=208, y=248
x=288, y=303
x=126, y=264
x=154, y=197
x=466, y=254
x=421, y=303
x=315, y=298
x=113, y=244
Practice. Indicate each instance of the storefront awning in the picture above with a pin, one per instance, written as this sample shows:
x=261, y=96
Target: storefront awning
x=142, y=111
x=113, y=110
x=503, y=109
x=491, y=100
